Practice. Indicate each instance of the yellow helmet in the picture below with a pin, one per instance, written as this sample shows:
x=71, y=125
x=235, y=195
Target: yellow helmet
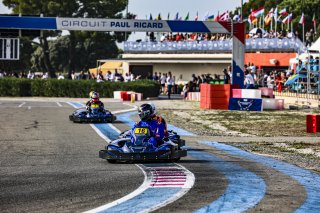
x=91, y=93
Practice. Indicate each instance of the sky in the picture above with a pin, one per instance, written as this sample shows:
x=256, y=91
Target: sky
x=143, y=8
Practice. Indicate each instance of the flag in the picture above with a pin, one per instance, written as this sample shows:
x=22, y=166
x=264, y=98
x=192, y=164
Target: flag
x=283, y=11
x=168, y=17
x=259, y=12
x=210, y=18
x=205, y=18
x=314, y=20
x=268, y=18
x=159, y=17
x=236, y=18
x=196, y=18
x=187, y=17
x=217, y=17
x=224, y=17
x=252, y=19
x=275, y=14
x=302, y=19
x=150, y=17
x=177, y=16
x=287, y=19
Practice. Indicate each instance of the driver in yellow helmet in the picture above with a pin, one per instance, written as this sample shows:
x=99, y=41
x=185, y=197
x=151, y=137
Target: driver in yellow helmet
x=94, y=102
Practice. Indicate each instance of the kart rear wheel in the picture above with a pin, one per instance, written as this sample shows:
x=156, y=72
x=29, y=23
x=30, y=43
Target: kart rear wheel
x=111, y=161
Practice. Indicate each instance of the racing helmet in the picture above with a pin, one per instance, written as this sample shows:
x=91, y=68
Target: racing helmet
x=95, y=97
x=153, y=108
x=145, y=112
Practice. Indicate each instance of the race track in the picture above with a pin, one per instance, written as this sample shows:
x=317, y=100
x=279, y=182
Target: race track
x=49, y=164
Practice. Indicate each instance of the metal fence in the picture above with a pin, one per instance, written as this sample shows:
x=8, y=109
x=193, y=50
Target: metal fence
x=266, y=44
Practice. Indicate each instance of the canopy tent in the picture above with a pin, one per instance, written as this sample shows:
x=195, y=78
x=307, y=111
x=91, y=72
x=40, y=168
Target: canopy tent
x=108, y=66
x=314, y=51
x=315, y=45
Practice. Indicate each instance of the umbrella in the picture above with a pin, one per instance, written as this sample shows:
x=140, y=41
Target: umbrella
x=257, y=30
x=294, y=78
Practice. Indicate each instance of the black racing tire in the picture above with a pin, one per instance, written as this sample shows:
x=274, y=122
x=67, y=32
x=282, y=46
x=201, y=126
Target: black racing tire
x=176, y=160
x=111, y=161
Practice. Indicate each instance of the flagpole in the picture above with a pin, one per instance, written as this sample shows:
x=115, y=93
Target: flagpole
x=271, y=23
x=291, y=26
x=263, y=22
x=303, y=33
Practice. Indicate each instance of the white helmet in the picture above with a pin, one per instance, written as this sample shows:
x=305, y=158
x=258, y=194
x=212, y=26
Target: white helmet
x=153, y=108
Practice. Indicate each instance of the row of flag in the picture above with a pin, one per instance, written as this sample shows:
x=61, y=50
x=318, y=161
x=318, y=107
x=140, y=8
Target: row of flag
x=274, y=14
x=253, y=18
x=208, y=17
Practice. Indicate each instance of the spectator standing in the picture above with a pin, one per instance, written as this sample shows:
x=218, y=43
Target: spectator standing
x=45, y=76
x=270, y=81
x=170, y=83
x=60, y=76
x=185, y=91
x=127, y=77
x=226, y=77
x=30, y=75
x=100, y=77
x=108, y=75
x=155, y=76
x=248, y=81
x=1, y=74
x=163, y=81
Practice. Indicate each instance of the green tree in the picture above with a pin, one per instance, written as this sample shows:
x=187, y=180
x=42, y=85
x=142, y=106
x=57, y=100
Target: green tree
x=80, y=8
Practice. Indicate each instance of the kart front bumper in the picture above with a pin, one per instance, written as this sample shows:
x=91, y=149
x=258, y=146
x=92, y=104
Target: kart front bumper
x=143, y=156
x=76, y=119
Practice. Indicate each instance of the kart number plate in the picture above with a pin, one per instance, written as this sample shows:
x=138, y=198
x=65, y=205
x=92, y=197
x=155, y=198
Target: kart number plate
x=141, y=131
x=94, y=106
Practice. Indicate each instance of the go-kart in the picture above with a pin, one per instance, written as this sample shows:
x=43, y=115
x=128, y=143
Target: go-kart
x=135, y=145
x=92, y=115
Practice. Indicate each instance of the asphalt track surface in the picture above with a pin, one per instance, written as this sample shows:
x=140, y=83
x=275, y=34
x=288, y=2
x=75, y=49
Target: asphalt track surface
x=49, y=164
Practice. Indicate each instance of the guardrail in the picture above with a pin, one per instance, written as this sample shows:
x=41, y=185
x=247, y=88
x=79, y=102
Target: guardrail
x=265, y=44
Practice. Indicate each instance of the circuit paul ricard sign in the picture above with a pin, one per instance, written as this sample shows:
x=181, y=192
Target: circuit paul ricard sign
x=132, y=25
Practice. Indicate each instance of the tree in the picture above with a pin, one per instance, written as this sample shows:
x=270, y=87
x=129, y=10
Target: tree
x=80, y=8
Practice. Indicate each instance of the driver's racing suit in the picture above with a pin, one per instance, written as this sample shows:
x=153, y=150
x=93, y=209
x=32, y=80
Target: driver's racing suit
x=156, y=127
x=89, y=103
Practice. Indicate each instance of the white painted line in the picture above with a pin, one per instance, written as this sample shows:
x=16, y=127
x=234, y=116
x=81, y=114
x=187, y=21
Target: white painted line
x=22, y=104
x=29, y=107
x=142, y=188
x=100, y=133
x=58, y=103
x=114, y=128
x=126, y=110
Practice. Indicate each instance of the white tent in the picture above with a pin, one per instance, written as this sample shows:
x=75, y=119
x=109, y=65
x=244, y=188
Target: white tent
x=315, y=45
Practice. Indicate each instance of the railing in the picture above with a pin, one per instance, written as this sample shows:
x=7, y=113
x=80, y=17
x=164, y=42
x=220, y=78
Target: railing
x=263, y=44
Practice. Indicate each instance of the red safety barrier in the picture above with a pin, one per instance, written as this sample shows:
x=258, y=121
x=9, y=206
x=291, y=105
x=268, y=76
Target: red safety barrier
x=312, y=123
x=214, y=96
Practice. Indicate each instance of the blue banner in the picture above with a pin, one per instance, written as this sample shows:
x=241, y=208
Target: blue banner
x=245, y=104
x=274, y=44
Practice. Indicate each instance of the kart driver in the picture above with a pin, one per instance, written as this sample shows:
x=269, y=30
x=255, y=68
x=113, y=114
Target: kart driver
x=159, y=119
x=146, y=114
x=94, y=101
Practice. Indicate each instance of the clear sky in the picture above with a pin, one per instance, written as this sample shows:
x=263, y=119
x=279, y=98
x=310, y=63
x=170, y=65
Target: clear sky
x=143, y=8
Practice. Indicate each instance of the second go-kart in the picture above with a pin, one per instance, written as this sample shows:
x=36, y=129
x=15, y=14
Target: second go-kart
x=92, y=115
x=135, y=145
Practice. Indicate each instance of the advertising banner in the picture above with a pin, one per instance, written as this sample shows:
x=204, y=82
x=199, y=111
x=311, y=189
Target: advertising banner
x=245, y=104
